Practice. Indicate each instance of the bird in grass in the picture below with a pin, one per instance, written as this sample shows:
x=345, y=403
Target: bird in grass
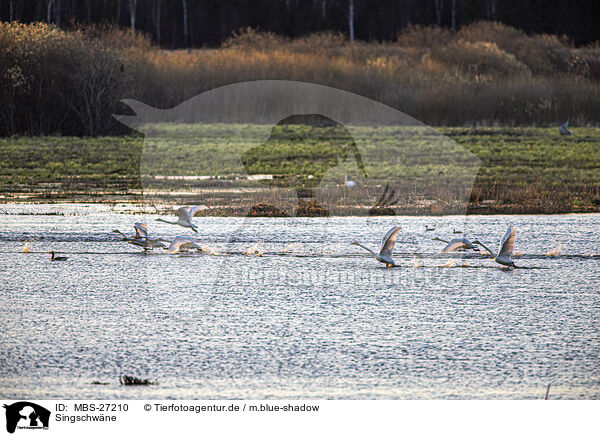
x=457, y=244
x=506, y=248
x=186, y=214
x=564, y=128
x=57, y=258
x=387, y=246
x=348, y=183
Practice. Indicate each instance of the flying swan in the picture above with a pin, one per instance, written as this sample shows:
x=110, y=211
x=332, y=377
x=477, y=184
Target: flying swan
x=456, y=244
x=186, y=214
x=386, y=248
x=506, y=248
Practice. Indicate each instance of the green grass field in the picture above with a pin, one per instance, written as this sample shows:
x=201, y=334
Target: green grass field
x=523, y=170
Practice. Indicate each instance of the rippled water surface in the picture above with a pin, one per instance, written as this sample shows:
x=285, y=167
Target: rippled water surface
x=313, y=317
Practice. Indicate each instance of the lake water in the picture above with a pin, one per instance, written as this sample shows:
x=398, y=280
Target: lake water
x=321, y=320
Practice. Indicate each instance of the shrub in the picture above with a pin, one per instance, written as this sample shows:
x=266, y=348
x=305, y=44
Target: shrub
x=128, y=380
x=54, y=81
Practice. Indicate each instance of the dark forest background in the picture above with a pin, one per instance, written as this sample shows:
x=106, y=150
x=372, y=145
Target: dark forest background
x=207, y=23
x=65, y=64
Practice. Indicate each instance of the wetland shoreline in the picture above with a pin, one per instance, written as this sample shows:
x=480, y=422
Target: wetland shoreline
x=523, y=170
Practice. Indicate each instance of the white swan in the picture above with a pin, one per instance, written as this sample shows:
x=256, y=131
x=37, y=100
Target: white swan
x=141, y=232
x=456, y=244
x=387, y=246
x=506, y=248
x=141, y=239
x=348, y=183
x=186, y=214
x=181, y=244
x=148, y=244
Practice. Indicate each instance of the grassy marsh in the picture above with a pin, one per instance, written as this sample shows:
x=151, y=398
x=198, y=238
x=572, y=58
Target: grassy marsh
x=523, y=170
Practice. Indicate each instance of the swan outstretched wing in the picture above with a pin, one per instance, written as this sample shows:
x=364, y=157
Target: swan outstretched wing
x=184, y=214
x=141, y=230
x=195, y=209
x=456, y=244
x=179, y=242
x=388, y=242
x=507, y=243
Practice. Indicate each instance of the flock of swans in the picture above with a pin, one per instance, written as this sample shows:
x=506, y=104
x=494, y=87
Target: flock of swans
x=503, y=257
x=181, y=244
x=185, y=214
x=142, y=239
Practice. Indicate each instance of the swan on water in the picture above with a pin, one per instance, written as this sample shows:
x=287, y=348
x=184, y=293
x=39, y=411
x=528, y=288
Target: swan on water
x=182, y=244
x=506, y=248
x=386, y=248
x=456, y=244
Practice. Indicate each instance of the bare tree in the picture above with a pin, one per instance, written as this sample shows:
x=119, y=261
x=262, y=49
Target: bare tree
x=492, y=9
x=439, y=9
x=118, y=12
x=351, y=19
x=88, y=6
x=95, y=87
x=49, y=4
x=15, y=10
x=132, y=12
x=185, y=22
x=324, y=8
x=453, y=14
x=57, y=12
x=157, y=20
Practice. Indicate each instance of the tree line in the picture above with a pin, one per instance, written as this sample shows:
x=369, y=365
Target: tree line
x=205, y=23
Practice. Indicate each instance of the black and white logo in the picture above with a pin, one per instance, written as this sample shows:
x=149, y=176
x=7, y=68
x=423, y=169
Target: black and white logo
x=26, y=415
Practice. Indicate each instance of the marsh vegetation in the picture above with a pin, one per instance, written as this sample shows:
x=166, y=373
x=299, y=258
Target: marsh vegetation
x=70, y=82
x=522, y=169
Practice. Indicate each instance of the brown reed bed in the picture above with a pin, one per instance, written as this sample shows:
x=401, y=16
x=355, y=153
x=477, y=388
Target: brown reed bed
x=70, y=82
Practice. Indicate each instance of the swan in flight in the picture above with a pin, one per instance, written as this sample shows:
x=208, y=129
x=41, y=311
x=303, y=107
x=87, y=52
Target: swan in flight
x=148, y=244
x=57, y=257
x=506, y=248
x=141, y=232
x=181, y=244
x=348, y=183
x=564, y=128
x=186, y=214
x=457, y=244
x=141, y=239
x=387, y=246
